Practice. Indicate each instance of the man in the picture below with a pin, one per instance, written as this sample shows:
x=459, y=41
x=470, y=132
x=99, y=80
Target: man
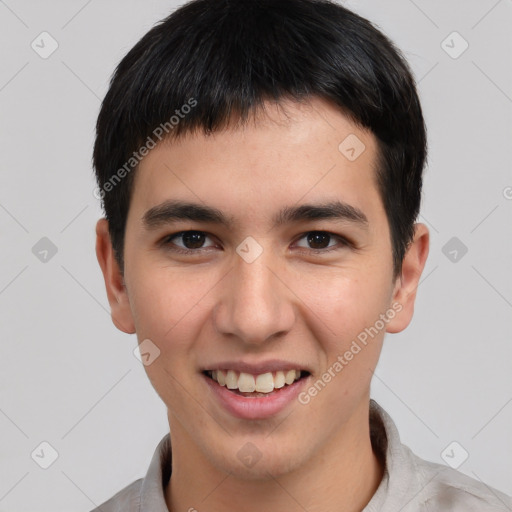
x=260, y=166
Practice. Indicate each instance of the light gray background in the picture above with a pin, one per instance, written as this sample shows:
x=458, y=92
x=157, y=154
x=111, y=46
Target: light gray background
x=69, y=378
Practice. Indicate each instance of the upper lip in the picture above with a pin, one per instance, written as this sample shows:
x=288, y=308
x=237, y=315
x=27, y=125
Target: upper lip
x=257, y=368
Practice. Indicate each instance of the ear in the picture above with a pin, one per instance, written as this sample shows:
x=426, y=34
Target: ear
x=114, y=282
x=404, y=293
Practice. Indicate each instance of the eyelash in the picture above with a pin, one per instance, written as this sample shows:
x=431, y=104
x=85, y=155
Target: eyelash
x=167, y=242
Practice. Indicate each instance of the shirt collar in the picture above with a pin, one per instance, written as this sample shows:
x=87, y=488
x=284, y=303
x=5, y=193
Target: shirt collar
x=152, y=497
x=400, y=484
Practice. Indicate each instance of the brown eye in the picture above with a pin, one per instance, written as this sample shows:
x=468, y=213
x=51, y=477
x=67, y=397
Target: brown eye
x=193, y=239
x=318, y=239
x=187, y=241
x=322, y=241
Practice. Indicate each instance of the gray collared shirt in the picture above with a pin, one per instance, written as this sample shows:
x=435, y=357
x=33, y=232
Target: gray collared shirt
x=409, y=484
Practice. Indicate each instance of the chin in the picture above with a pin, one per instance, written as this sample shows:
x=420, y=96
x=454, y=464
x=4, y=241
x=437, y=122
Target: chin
x=252, y=464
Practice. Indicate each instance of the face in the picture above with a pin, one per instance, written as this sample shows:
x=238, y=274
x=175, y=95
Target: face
x=251, y=253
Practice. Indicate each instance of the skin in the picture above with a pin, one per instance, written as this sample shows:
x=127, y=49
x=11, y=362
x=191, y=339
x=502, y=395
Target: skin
x=290, y=303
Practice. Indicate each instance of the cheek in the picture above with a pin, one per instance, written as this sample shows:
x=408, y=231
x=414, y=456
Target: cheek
x=345, y=301
x=166, y=306
x=168, y=310
x=346, y=309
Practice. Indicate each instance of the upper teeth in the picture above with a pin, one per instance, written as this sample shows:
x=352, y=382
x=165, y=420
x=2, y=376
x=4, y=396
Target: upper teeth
x=247, y=383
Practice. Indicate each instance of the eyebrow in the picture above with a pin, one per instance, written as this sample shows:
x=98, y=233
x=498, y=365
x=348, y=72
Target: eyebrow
x=174, y=210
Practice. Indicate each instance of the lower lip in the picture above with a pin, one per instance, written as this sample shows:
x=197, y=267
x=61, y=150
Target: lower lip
x=249, y=408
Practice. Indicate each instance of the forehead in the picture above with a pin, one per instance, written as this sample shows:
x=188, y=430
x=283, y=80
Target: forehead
x=285, y=154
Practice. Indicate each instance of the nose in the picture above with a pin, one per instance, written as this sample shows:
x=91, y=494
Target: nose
x=255, y=304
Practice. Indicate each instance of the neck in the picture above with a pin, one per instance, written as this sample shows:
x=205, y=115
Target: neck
x=343, y=475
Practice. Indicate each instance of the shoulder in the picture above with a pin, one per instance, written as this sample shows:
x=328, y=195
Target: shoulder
x=413, y=484
x=445, y=488
x=126, y=500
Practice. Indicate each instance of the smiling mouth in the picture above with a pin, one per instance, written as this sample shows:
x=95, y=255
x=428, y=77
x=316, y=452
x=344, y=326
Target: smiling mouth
x=255, y=386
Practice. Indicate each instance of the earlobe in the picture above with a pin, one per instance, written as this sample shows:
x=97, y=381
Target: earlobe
x=114, y=281
x=404, y=293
